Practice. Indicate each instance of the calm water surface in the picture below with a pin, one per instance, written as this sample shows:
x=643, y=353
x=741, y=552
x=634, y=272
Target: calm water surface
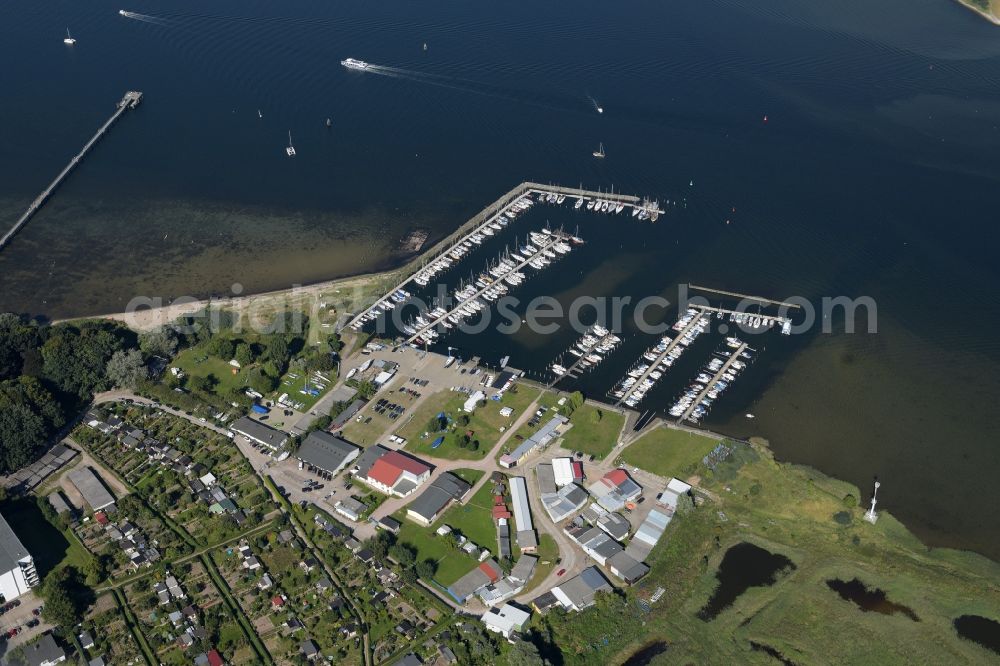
x=875, y=174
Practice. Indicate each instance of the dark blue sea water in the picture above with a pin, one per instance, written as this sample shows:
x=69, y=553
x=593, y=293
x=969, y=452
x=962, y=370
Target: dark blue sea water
x=875, y=174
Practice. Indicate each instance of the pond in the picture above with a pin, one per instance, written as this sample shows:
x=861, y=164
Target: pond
x=645, y=655
x=980, y=629
x=743, y=566
x=767, y=649
x=873, y=600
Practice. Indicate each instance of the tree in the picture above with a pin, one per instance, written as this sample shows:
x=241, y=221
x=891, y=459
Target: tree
x=323, y=362
x=426, y=569
x=573, y=402
x=160, y=341
x=66, y=597
x=96, y=569
x=403, y=553
x=322, y=422
x=380, y=543
x=75, y=358
x=29, y=416
x=276, y=349
x=18, y=337
x=244, y=354
x=222, y=348
x=126, y=368
x=524, y=653
x=201, y=384
x=260, y=381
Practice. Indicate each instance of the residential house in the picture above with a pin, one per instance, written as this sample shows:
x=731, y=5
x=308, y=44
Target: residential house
x=579, y=592
x=506, y=619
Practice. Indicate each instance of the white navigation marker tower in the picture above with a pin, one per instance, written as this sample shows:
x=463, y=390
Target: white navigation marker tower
x=870, y=515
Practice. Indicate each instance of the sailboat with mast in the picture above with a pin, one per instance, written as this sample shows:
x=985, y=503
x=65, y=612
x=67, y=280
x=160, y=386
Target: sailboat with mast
x=600, y=151
x=69, y=38
x=290, y=149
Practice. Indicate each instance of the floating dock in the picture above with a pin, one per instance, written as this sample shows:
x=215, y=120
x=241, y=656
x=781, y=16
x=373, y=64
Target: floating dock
x=556, y=237
x=653, y=365
x=129, y=101
x=718, y=375
x=484, y=218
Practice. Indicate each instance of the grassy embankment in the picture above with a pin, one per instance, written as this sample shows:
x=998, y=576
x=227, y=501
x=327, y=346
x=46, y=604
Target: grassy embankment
x=790, y=510
x=668, y=452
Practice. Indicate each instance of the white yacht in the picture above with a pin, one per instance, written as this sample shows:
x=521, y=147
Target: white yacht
x=600, y=151
x=69, y=38
x=351, y=63
x=290, y=149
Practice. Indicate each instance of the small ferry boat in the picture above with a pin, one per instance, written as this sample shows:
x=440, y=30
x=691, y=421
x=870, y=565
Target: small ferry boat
x=351, y=63
x=69, y=38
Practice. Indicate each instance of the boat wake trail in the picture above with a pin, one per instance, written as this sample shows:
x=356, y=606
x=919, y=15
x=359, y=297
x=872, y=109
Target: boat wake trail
x=597, y=106
x=146, y=18
x=474, y=87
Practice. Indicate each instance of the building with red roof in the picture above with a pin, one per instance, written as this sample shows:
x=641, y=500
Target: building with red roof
x=391, y=472
x=615, y=489
x=468, y=585
x=214, y=658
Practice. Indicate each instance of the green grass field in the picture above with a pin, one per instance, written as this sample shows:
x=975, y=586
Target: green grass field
x=470, y=476
x=474, y=520
x=196, y=363
x=669, y=452
x=366, y=434
x=789, y=510
x=50, y=547
x=595, y=431
x=485, y=423
x=294, y=385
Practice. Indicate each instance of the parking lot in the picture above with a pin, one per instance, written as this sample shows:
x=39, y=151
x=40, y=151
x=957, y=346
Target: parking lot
x=21, y=621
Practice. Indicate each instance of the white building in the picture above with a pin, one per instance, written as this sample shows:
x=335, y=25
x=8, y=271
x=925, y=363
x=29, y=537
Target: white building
x=506, y=619
x=17, y=568
x=562, y=470
x=473, y=401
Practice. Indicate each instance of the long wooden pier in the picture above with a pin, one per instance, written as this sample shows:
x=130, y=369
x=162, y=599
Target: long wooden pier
x=484, y=218
x=735, y=294
x=129, y=101
x=718, y=375
x=654, y=364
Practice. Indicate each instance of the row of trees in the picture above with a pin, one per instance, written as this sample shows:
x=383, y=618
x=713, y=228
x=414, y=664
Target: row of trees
x=47, y=373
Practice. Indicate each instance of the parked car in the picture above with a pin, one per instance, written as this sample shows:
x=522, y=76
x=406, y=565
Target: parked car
x=560, y=572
